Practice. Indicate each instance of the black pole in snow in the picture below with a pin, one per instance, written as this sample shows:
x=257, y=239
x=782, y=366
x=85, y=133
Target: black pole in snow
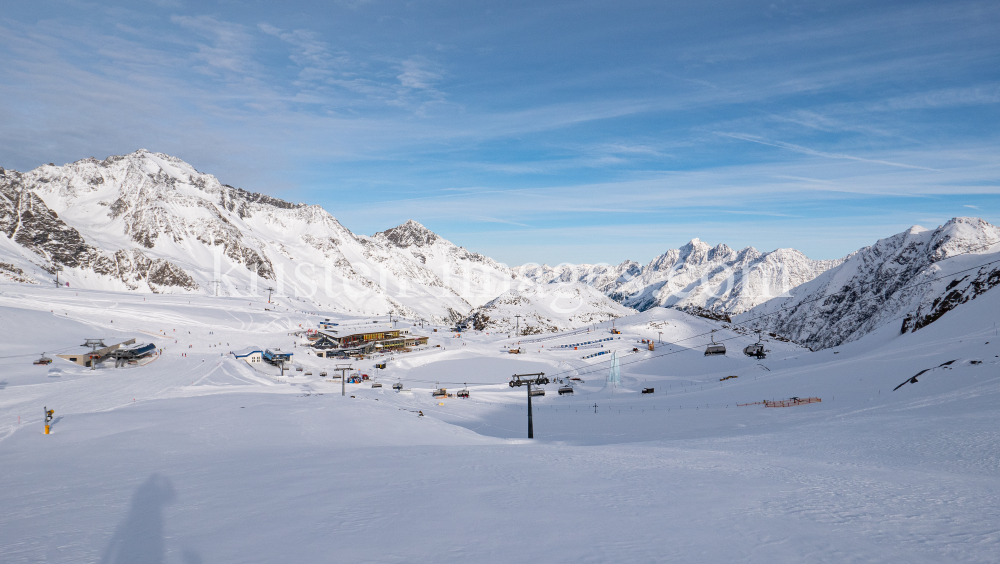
x=531, y=429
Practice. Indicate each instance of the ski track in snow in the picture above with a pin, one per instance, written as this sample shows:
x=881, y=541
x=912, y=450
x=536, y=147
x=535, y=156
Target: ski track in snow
x=201, y=458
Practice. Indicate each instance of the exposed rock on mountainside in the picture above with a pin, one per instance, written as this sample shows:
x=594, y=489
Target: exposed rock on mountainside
x=29, y=222
x=605, y=278
x=545, y=308
x=14, y=274
x=151, y=222
x=908, y=280
x=477, y=278
x=697, y=276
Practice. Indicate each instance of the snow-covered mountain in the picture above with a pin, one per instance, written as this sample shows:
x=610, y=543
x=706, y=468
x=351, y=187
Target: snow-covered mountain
x=475, y=277
x=606, y=278
x=151, y=222
x=697, y=277
x=545, y=308
x=908, y=281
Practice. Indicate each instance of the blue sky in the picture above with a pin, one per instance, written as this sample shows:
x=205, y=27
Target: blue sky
x=536, y=131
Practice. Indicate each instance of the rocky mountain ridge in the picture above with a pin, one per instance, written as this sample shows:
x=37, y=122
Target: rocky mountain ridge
x=906, y=281
x=151, y=222
x=697, y=277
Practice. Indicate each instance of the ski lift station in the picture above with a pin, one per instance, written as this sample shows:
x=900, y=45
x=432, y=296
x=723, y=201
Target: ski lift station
x=100, y=352
x=134, y=354
x=256, y=355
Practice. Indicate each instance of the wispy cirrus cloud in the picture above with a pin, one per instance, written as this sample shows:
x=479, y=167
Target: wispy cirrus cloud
x=229, y=48
x=813, y=152
x=525, y=117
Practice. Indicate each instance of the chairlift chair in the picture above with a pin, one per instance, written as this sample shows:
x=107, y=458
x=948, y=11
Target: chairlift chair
x=397, y=386
x=463, y=393
x=43, y=360
x=715, y=349
x=756, y=349
x=537, y=392
x=376, y=384
x=564, y=390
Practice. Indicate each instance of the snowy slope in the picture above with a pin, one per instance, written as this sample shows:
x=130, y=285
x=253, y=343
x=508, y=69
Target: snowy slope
x=545, y=308
x=906, y=281
x=695, y=277
x=197, y=458
x=150, y=222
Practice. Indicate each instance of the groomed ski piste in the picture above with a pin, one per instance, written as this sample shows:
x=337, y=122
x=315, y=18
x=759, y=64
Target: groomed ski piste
x=198, y=457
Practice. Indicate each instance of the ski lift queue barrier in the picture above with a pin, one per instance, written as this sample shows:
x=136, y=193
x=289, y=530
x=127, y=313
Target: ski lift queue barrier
x=582, y=344
x=782, y=403
x=549, y=338
x=595, y=354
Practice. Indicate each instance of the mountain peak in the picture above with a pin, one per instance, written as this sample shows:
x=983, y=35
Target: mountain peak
x=410, y=233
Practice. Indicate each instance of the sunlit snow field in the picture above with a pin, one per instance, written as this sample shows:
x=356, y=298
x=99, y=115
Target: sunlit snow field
x=200, y=458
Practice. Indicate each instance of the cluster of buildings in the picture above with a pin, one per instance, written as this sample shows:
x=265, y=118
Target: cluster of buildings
x=256, y=355
x=333, y=342
x=123, y=354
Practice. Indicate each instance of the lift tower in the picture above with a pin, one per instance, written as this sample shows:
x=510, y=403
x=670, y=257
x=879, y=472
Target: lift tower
x=537, y=379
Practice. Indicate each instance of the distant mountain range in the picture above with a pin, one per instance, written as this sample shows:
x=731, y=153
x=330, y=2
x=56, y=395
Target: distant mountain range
x=149, y=222
x=696, y=277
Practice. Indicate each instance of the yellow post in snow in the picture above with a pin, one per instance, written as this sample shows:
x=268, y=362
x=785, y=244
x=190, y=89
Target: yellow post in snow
x=48, y=418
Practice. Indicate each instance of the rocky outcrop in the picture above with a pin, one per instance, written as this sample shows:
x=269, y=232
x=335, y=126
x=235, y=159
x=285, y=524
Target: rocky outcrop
x=29, y=222
x=908, y=280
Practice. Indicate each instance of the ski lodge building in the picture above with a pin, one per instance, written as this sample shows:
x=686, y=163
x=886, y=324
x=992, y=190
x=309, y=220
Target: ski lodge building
x=331, y=343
